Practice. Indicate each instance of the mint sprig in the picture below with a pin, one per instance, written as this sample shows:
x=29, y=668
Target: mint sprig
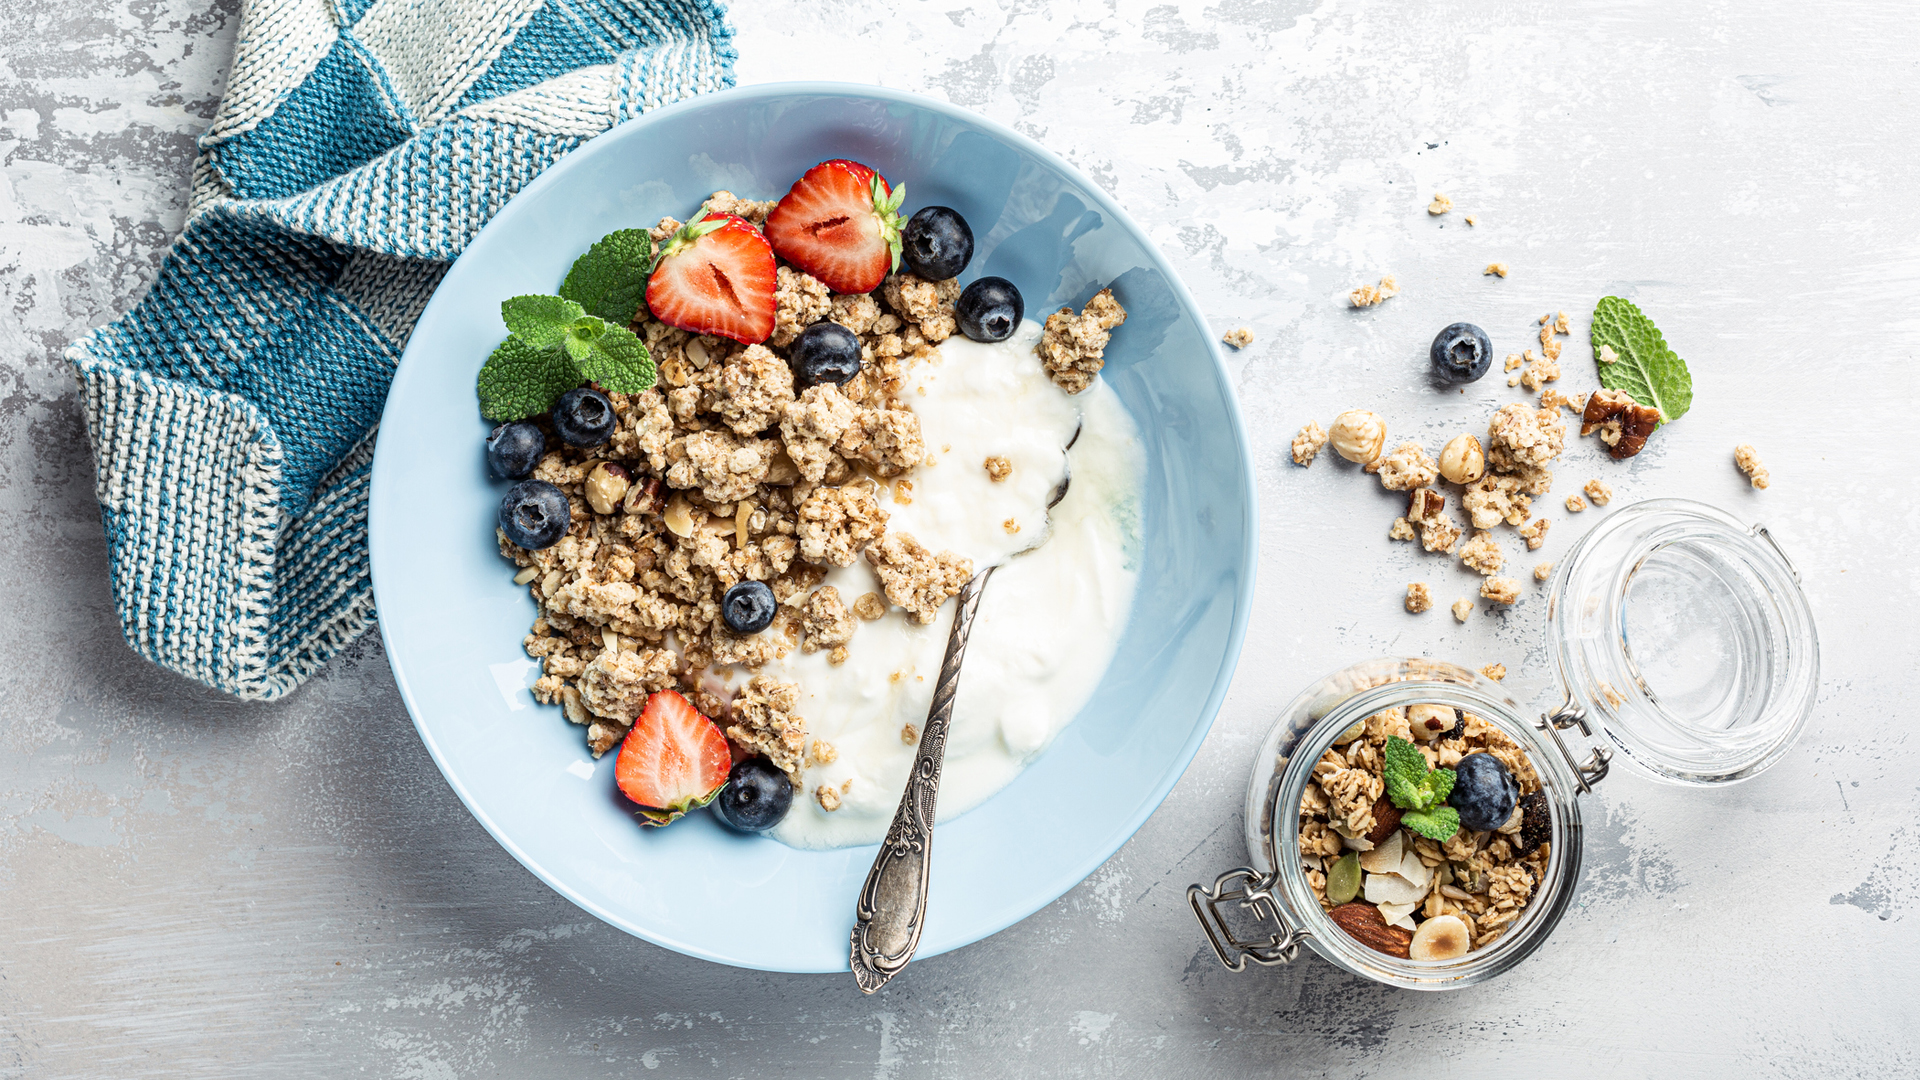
x=1420, y=792
x=1642, y=365
x=560, y=342
x=610, y=280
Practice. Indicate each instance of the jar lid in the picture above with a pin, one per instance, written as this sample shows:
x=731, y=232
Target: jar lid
x=1685, y=633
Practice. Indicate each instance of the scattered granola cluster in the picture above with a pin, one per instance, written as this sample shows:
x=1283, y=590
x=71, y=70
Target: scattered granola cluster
x=1369, y=295
x=1239, y=338
x=722, y=473
x=1747, y=460
x=1383, y=883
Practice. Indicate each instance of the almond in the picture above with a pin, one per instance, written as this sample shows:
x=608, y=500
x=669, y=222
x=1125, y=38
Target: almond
x=1386, y=818
x=1364, y=924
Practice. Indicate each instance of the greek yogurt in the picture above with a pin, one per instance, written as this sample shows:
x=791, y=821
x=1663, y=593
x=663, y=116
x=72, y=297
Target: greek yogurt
x=1051, y=617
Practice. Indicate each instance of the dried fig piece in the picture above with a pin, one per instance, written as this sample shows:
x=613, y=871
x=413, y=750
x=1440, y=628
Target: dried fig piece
x=1536, y=824
x=1626, y=422
x=1364, y=923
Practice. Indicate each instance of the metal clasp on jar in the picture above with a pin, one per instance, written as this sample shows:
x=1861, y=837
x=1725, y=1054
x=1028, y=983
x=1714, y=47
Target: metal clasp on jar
x=1254, y=893
x=1571, y=715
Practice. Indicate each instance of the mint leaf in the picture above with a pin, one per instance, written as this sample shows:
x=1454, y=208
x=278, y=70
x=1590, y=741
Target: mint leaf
x=1405, y=773
x=1436, y=824
x=610, y=355
x=540, y=321
x=610, y=280
x=1643, y=366
x=519, y=380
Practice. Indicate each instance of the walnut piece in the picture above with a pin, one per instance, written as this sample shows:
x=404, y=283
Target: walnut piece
x=1425, y=508
x=1624, y=424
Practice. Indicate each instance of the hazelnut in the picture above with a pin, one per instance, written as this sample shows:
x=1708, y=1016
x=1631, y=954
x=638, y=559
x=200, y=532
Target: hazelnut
x=1428, y=721
x=1462, y=461
x=606, y=485
x=642, y=498
x=1442, y=937
x=1358, y=435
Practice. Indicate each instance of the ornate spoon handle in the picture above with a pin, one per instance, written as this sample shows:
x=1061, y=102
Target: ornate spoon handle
x=893, y=903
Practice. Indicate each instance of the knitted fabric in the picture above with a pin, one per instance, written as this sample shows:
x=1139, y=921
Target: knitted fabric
x=360, y=146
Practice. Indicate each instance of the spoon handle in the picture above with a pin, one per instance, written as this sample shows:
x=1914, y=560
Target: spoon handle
x=893, y=903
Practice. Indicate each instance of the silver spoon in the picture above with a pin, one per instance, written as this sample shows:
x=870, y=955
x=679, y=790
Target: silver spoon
x=892, y=908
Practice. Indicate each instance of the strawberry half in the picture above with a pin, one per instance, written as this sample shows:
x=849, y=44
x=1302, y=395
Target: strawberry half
x=715, y=276
x=841, y=223
x=673, y=759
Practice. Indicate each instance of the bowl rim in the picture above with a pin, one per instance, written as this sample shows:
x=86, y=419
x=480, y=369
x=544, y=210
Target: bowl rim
x=1067, y=875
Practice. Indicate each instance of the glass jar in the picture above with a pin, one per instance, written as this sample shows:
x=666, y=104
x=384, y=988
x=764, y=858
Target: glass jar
x=1682, y=639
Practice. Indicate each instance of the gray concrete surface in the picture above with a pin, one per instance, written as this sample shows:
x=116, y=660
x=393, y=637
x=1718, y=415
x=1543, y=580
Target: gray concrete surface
x=195, y=887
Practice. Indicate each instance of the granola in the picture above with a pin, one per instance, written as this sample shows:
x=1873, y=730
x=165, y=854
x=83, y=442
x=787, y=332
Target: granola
x=1406, y=468
x=1483, y=878
x=1419, y=597
x=1369, y=295
x=1747, y=460
x=1239, y=338
x=917, y=579
x=1308, y=443
x=1481, y=553
x=1073, y=347
x=725, y=472
x=1599, y=492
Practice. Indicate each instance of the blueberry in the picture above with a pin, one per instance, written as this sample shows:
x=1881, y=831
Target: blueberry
x=825, y=352
x=1484, y=792
x=936, y=243
x=534, y=514
x=756, y=797
x=748, y=607
x=990, y=309
x=1461, y=353
x=583, y=417
x=514, y=449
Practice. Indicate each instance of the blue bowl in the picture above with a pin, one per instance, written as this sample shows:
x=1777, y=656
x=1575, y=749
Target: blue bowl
x=452, y=619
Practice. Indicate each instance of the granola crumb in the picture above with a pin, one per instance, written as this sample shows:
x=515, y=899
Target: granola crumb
x=765, y=722
x=1426, y=507
x=1309, y=442
x=1239, y=338
x=1369, y=295
x=1481, y=553
x=1514, y=360
x=1402, y=530
x=1440, y=205
x=1407, y=468
x=821, y=752
x=1535, y=534
x=1599, y=492
x=1575, y=504
x=1554, y=399
x=1498, y=269
x=838, y=656
x=1607, y=355
x=1471, y=220
x=1747, y=460
x=1501, y=590
x=870, y=606
x=1011, y=525
x=998, y=468
x=1462, y=608
x=826, y=623
x=1543, y=571
x=1513, y=380
x=828, y=797
x=1560, y=324
x=1496, y=672
x=1073, y=346
x=1541, y=370
x=909, y=734
x=1419, y=598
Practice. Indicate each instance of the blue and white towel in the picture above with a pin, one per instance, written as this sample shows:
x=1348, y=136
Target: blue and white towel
x=361, y=144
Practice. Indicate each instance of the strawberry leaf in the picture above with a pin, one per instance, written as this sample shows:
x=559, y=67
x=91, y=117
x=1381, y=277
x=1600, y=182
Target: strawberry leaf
x=540, y=321
x=1643, y=367
x=610, y=280
x=519, y=380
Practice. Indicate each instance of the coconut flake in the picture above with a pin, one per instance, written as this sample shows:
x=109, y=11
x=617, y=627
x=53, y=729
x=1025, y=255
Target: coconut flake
x=1393, y=889
x=1385, y=858
x=1417, y=873
x=1397, y=914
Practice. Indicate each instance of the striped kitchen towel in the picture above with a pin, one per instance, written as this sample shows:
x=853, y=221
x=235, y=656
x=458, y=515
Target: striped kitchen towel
x=360, y=145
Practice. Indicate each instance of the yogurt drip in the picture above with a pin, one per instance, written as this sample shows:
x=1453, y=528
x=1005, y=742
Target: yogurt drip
x=1050, y=621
